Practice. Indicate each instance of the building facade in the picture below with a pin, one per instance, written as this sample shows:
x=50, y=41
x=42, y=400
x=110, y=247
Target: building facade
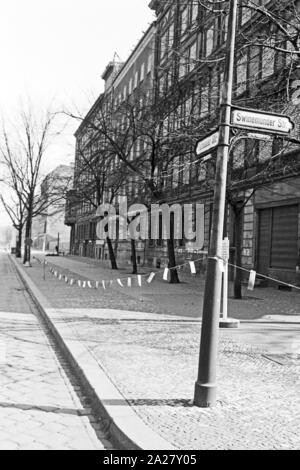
x=127, y=85
x=48, y=229
x=179, y=65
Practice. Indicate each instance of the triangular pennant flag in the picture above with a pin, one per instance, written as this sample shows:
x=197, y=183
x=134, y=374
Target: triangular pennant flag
x=79, y=283
x=166, y=274
x=129, y=282
x=103, y=284
x=84, y=284
x=71, y=282
x=252, y=279
x=66, y=279
x=120, y=282
x=89, y=284
x=111, y=283
x=221, y=266
x=193, y=267
x=97, y=285
x=139, y=278
x=150, y=278
x=60, y=277
x=55, y=273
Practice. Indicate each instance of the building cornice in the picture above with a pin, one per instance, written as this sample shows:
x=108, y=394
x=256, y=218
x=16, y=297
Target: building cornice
x=142, y=44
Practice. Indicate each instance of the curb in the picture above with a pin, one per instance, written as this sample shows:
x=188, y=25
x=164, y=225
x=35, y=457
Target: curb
x=126, y=429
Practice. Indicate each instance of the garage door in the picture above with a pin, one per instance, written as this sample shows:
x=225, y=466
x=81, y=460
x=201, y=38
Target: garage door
x=278, y=238
x=284, y=249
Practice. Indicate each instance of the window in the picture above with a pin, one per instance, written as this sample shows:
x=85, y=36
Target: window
x=164, y=45
x=209, y=41
x=268, y=60
x=142, y=76
x=182, y=67
x=254, y=60
x=204, y=101
x=241, y=75
x=150, y=63
x=246, y=14
x=194, y=12
x=184, y=19
x=192, y=56
x=136, y=79
x=175, y=172
x=161, y=85
x=186, y=173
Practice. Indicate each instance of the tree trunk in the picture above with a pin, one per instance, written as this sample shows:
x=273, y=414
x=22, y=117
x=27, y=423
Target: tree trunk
x=27, y=248
x=133, y=257
x=174, y=279
x=111, y=254
x=19, y=244
x=238, y=253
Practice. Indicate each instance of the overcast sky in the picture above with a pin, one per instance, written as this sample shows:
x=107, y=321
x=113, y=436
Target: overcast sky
x=56, y=50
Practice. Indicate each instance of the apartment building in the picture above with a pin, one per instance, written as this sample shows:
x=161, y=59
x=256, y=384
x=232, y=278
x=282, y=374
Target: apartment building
x=263, y=190
x=126, y=86
x=48, y=229
x=178, y=66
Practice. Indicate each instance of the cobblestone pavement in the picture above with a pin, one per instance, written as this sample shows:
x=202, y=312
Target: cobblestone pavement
x=153, y=362
x=41, y=406
x=185, y=299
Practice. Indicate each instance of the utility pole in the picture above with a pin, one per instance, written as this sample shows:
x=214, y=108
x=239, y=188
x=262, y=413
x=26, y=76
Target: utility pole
x=205, y=387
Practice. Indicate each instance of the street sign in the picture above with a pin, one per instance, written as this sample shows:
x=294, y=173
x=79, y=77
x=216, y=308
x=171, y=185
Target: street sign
x=225, y=249
x=207, y=144
x=259, y=120
x=257, y=136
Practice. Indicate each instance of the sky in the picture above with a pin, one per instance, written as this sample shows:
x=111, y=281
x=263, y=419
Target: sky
x=53, y=52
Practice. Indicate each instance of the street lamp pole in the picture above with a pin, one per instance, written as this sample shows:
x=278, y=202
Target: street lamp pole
x=205, y=387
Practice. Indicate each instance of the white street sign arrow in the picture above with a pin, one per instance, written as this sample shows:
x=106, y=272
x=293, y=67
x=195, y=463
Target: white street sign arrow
x=207, y=144
x=250, y=119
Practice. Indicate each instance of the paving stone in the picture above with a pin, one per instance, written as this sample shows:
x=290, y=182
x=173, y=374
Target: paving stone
x=153, y=362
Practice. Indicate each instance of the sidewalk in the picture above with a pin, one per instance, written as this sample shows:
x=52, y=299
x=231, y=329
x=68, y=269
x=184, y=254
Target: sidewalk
x=151, y=362
x=41, y=407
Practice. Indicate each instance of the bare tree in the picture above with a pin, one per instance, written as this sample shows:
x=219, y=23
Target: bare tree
x=22, y=152
x=97, y=180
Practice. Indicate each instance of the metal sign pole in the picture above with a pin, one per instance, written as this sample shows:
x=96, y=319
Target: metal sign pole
x=205, y=387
